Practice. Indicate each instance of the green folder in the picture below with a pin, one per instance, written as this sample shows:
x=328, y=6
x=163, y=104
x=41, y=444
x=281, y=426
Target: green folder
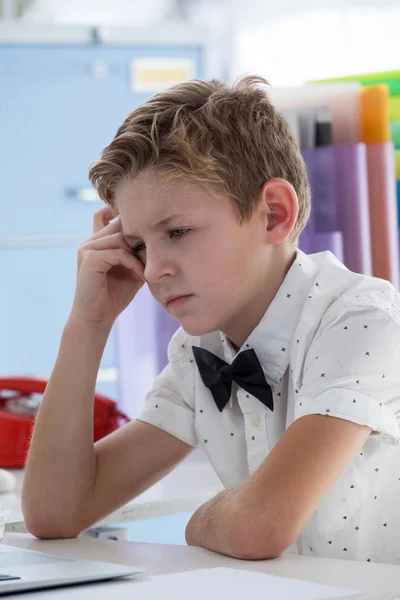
x=395, y=133
x=394, y=108
x=391, y=78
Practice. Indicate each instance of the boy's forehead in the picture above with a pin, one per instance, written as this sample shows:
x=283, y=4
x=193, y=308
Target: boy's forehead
x=144, y=207
x=148, y=192
x=151, y=208
x=149, y=201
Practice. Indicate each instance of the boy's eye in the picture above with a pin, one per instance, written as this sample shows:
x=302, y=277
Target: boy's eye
x=136, y=250
x=173, y=234
x=177, y=233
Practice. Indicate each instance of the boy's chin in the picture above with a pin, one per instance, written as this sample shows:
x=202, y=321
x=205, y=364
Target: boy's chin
x=196, y=329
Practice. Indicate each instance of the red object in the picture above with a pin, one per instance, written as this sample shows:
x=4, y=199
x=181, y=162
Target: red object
x=16, y=430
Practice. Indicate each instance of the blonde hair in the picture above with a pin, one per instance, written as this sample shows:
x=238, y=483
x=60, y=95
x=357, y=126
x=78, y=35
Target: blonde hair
x=228, y=139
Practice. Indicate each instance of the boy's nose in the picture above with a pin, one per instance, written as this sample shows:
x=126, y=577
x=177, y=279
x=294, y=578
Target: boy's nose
x=157, y=266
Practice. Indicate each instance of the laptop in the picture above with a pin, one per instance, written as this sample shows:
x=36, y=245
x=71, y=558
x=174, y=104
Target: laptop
x=25, y=570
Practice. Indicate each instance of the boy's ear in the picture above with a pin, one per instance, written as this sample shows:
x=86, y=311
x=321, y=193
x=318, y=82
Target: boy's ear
x=280, y=207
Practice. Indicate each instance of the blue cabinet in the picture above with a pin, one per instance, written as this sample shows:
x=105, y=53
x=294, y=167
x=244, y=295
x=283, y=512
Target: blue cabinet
x=58, y=110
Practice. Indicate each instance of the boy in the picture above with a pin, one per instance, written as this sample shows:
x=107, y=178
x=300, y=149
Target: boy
x=285, y=368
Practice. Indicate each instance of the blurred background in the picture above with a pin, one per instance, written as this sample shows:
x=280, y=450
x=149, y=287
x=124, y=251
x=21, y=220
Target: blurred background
x=71, y=71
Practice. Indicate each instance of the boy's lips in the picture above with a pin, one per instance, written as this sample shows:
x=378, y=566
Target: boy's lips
x=175, y=298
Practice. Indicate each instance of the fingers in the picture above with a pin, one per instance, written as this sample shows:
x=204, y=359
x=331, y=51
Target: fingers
x=107, y=236
x=104, y=260
x=102, y=225
x=102, y=218
x=114, y=240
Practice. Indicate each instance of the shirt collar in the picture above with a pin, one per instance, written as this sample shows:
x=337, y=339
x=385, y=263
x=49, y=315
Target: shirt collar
x=273, y=336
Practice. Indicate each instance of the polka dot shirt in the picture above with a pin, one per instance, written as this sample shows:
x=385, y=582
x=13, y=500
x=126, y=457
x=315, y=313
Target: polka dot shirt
x=328, y=344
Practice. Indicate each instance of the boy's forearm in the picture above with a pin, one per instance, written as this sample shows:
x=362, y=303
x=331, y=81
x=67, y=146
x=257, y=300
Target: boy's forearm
x=61, y=467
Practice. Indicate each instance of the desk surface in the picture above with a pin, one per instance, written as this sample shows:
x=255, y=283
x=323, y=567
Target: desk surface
x=186, y=488
x=377, y=579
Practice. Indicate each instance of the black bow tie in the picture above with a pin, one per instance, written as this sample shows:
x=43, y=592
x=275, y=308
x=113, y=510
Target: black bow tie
x=246, y=370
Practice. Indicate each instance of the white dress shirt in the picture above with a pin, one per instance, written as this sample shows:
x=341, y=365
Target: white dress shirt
x=328, y=344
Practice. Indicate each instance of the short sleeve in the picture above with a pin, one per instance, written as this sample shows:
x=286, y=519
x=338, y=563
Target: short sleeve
x=169, y=404
x=352, y=369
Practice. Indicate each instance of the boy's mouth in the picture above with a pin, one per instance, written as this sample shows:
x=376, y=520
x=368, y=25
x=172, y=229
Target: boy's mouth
x=174, y=300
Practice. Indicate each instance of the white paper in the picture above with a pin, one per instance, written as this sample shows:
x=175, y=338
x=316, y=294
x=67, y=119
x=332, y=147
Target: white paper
x=206, y=584
x=232, y=584
x=4, y=515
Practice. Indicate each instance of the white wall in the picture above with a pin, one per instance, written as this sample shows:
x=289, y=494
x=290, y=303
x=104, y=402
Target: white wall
x=291, y=49
x=287, y=41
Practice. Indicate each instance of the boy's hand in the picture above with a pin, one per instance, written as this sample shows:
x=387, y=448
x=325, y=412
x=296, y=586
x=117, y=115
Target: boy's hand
x=109, y=276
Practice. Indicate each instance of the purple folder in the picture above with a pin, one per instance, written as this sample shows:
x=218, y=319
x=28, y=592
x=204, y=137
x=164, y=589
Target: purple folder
x=311, y=243
x=322, y=232
x=352, y=206
x=136, y=350
x=339, y=187
x=165, y=328
x=142, y=334
x=320, y=163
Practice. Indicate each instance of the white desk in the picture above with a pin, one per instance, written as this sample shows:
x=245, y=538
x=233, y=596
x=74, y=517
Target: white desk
x=191, y=484
x=377, y=579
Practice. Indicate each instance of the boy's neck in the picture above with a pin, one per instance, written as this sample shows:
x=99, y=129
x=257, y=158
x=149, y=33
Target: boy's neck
x=244, y=324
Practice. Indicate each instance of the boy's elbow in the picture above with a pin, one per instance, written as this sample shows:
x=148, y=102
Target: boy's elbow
x=252, y=547
x=46, y=523
x=49, y=530
x=47, y=527
x=260, y=542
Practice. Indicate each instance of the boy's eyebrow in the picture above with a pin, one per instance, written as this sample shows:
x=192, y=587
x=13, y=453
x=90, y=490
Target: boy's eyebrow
x=157, y=225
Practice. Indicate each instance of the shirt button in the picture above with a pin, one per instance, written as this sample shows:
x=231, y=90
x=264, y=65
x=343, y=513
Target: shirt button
x=255, y=420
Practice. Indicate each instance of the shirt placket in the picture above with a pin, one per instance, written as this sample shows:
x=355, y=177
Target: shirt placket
x=255, y=429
